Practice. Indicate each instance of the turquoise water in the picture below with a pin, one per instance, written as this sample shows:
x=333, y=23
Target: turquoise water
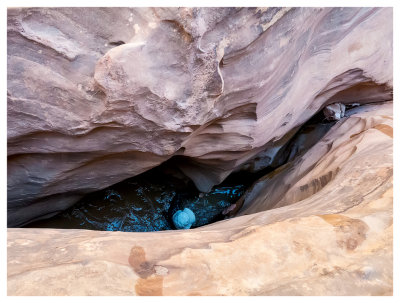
x=142, y=204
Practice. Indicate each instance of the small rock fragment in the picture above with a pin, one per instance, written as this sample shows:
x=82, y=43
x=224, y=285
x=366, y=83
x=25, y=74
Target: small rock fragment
x=229, y=209
x=334, y=112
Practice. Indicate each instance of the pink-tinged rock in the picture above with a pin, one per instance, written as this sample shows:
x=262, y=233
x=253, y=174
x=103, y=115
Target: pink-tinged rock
x=332, y=235
x=97, y=95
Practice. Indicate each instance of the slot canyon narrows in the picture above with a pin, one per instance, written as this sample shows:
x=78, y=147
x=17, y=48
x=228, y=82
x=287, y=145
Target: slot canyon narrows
x=149, y=201
x=200, y=151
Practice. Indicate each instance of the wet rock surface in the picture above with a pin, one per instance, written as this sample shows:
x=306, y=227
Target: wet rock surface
x=142, y=204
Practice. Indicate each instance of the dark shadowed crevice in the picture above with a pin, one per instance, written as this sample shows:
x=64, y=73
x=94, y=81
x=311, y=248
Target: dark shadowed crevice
x=147, y=202
x=116, y=43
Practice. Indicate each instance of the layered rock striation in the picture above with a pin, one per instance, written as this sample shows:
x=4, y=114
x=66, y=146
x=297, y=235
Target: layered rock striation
x=98, y=95
x=329, y=232
x=101, y=95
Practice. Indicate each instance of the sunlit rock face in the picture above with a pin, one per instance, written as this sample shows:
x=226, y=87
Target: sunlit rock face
x=98, y=95
x=329, y=232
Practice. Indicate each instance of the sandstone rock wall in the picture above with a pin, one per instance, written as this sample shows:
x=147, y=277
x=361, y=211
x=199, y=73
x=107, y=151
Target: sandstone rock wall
x=332, y=237
x=97, y=95
x=307, y=176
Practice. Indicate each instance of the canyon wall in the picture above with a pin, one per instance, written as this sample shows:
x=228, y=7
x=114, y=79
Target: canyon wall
x=97, y=95
x=332, y=235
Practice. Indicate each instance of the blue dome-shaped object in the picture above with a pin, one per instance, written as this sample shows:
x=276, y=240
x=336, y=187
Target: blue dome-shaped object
x=183, y=219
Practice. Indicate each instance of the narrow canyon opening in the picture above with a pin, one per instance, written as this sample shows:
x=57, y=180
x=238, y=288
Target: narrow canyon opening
x=186, y=151
x=147, y=202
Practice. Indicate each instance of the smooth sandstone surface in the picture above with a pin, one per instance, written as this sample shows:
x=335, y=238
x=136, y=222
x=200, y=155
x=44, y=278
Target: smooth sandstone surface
x=329, y=232
x=104, y=94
